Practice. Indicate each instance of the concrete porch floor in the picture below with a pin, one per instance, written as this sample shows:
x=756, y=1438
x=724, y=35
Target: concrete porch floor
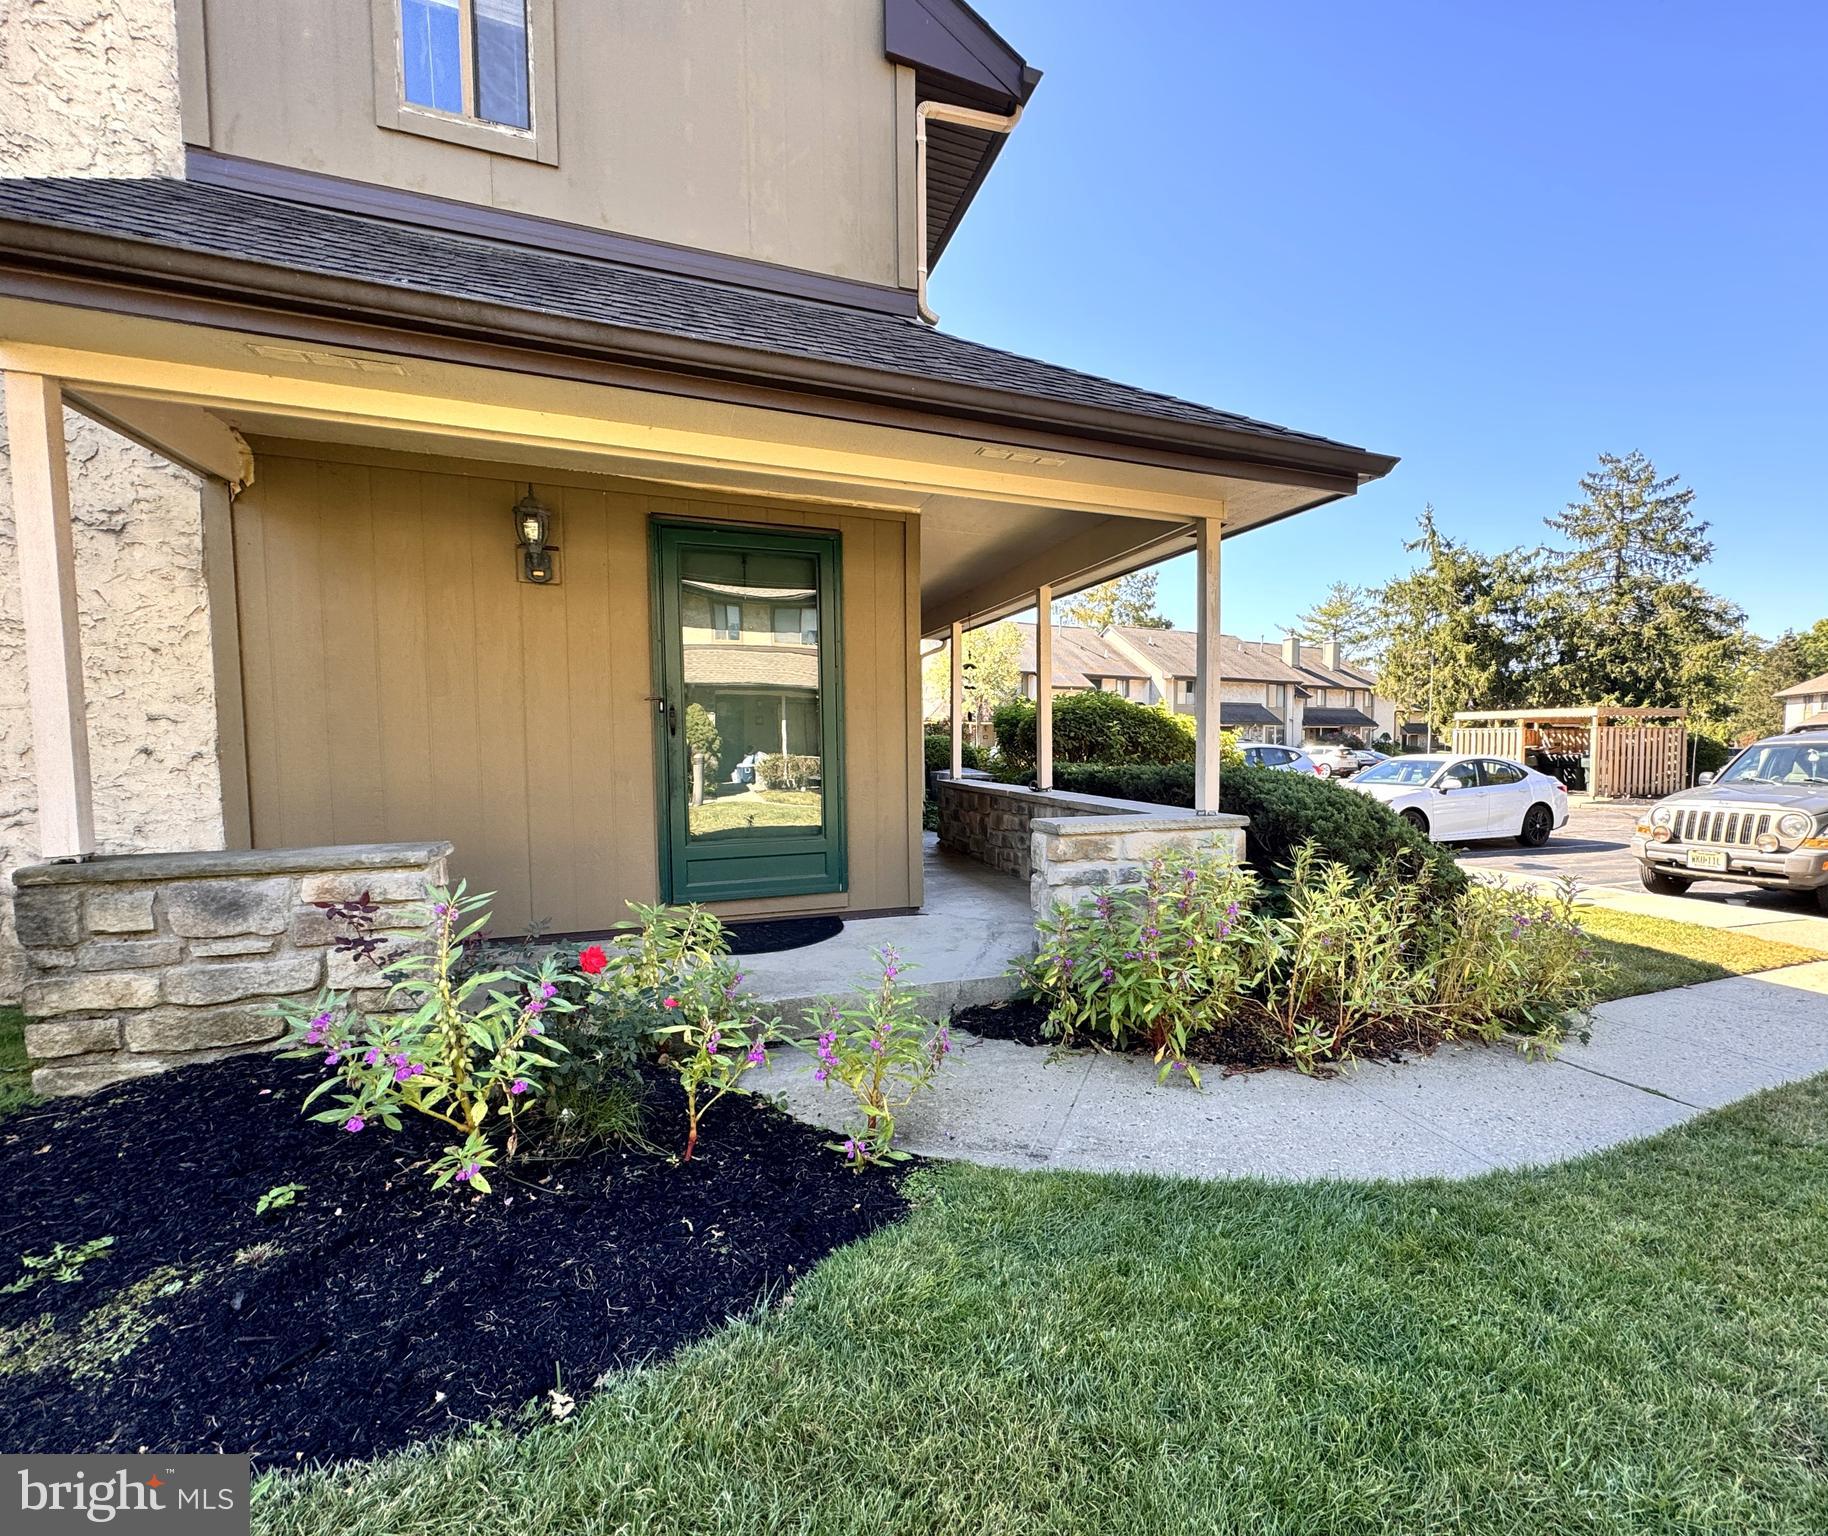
x=959, y=947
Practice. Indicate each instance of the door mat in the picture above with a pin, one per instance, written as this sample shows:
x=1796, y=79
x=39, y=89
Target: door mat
x=767, y=936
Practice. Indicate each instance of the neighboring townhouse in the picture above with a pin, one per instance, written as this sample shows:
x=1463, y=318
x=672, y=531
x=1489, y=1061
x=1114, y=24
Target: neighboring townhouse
x=1340, y=698
x=1805, y=704
x=1084, y=661
x=438, y=424
x=1259, y=695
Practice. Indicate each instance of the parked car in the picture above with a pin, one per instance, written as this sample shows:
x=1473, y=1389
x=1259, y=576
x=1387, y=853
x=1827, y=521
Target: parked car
x=1465, y=799
x=1762, y=820
x=1332, y=760
x=1370, y=757
x=1290, y=759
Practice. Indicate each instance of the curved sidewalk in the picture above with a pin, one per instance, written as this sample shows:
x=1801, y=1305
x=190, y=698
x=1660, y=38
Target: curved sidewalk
x=1653, y=1062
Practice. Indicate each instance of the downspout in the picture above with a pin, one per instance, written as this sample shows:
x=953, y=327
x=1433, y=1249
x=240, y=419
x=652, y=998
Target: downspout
x=964, y=117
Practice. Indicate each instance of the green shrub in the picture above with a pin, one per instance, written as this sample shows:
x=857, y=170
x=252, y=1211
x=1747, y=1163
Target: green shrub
x=939, y=752
x=1285, y=811
x=1095, y=728
x=1370, y=840
x=790, y=771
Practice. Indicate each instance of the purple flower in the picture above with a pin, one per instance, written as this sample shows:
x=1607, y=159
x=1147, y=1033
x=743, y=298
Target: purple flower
x=519, y=1085
x=819, y=1074
x=333, y=1058
x=547, y=989
x=876, y=1044
x=538, y=1005
x=943, y=1041
x=1107, y=973
x=440, y=908
x=322, y=1021
x=853, y=1149
x=1231, y=909
x=354, y=1123
x=536, y=1028
x=757, y=1054
x=371, y=1056
x=826, y=1042
x=468, y=1171
x=712, y=1041
x=396, y=1060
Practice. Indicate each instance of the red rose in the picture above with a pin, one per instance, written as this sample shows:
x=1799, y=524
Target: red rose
x=592, y=960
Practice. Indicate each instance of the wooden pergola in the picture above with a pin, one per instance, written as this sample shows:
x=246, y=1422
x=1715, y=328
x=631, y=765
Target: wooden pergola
x=1630, y=751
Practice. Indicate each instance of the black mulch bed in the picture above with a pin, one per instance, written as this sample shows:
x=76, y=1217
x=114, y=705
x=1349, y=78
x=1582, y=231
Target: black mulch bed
x=387, y=1314
x=767, y=936
x=1244, y=1045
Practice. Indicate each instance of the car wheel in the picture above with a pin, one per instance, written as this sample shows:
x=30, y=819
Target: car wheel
x=1661, y=884
x=1821, y=897
x=1417, y=820
x=1323, y=770
x=1538, y=823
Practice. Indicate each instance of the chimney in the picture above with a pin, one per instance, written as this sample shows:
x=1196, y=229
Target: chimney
x=1291, y=650
x=1329, y=655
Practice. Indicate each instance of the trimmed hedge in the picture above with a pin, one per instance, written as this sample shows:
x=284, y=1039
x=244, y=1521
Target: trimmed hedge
x=1285, y=811
x=1094, y=728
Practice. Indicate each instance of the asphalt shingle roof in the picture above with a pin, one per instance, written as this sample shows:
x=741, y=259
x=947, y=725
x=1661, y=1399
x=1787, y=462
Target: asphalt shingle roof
x=301, y=237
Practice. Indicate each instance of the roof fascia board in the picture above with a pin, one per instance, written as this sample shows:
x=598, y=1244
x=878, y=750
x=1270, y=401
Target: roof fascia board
x=947, y=41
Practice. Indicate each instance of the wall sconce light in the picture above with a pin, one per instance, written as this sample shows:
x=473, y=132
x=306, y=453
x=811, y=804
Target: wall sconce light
x=532, y=527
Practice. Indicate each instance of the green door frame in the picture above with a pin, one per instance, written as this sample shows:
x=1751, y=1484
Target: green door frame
x=737, y=868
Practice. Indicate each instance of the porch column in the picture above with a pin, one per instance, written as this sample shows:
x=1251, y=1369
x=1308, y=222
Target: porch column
x=47, y=600
x=1206, y=714
x=957, y=642
x=1044, y=687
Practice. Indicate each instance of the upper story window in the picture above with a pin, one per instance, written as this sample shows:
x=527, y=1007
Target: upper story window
x=473, y=72
x=727, y=620
x=796, y=626
x=468, y=57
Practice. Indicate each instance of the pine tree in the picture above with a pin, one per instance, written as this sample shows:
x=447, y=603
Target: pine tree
x=1344, y=616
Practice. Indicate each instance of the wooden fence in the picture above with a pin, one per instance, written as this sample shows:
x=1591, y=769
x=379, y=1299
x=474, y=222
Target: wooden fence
x=1641, y=762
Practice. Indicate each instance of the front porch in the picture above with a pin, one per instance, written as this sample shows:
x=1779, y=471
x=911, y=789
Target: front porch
x=961, y=948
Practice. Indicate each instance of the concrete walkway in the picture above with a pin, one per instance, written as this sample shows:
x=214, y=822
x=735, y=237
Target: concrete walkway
x=960, y=947
x=1653, y=1062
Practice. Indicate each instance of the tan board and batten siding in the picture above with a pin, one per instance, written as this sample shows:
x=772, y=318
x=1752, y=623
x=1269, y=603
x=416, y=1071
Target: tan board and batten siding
x=400, y=683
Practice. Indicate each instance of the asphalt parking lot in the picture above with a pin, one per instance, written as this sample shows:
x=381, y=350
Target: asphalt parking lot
x=1594, y=847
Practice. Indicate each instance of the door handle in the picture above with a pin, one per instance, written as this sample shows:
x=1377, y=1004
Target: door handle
x=672, y=719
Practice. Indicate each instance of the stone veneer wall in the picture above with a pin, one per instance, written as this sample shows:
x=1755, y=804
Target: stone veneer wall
x=90, y=88
x=1074, y=856
x=142, y=962
x=1067, y=845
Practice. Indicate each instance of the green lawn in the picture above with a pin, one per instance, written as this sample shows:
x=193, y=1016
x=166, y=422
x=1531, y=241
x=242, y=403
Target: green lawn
x=1652, y=954
x=1636, y=1342
x=15, y=1077
x=759, y=808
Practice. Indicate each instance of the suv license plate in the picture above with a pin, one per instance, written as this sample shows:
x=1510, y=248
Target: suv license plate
x=1706, y=858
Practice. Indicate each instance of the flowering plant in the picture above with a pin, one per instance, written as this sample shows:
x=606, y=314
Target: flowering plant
x=883, y=1053
x=460, y=1058
x=715, y=1038
x=1151, y=964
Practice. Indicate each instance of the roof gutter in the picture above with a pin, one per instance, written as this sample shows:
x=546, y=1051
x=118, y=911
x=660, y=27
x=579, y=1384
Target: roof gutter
x=963, y=117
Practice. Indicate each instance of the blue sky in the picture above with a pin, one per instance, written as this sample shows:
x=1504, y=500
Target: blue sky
x=1492, y=239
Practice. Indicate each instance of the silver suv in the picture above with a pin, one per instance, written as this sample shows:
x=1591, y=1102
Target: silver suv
x=1762, y=820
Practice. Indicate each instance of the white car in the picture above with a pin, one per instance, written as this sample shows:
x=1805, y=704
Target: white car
x=1463, y=799
x=1289, y=759
x=1332, y=761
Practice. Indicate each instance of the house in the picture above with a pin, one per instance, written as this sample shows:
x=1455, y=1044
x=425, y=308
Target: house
x=1259, y=695
x=498, y=438
x=1805, y=704
x=1339, y=698
x=1083, y=660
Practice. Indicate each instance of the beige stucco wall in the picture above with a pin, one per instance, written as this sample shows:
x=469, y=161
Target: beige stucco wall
x=89, y=88
x=146, y=664
x=759, y=128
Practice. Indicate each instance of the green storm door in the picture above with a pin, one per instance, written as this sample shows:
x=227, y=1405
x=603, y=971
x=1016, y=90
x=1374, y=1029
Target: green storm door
x=750, y=729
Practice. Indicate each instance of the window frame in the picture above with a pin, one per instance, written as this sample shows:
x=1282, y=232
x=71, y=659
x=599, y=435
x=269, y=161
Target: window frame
x=539, y=143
